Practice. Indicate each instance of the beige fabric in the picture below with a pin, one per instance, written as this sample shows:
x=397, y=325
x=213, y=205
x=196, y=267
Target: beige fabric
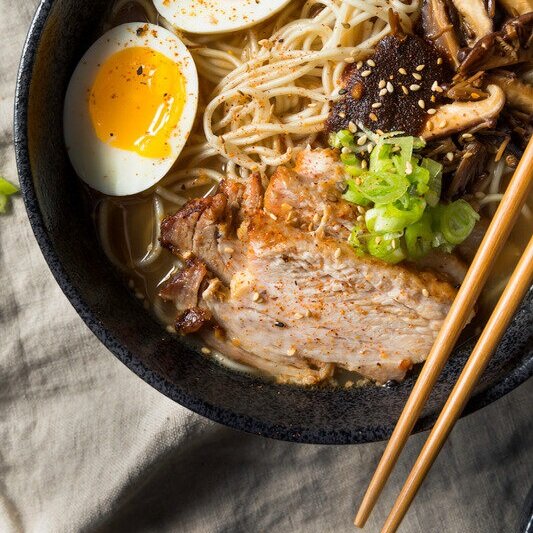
x=87, y=446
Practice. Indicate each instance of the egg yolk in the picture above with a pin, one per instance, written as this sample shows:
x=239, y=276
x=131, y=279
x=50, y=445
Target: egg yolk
x=136, y=101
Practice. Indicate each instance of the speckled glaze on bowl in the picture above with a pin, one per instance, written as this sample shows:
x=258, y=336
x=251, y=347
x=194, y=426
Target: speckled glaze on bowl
x=60, y=33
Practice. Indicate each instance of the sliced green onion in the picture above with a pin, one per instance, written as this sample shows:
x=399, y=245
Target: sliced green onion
x=353, y=195
x=6, y=190
x=383, y=187
x=419, y=237
x=341, y=139
x=386, y=247
x=457, y=220
x=396, y=216
x=435, y=181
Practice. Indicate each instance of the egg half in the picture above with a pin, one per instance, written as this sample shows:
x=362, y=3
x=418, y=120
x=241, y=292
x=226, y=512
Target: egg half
x=129, y=108
x=217, y=16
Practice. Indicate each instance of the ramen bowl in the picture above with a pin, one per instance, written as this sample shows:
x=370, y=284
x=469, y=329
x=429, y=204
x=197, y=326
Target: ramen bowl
x=57, y=208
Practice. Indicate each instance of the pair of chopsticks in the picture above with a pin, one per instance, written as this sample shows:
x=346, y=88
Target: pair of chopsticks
x=460, y=311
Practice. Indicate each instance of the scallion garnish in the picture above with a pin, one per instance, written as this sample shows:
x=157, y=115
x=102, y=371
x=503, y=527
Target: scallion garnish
x=6, y=190
x=401, y=191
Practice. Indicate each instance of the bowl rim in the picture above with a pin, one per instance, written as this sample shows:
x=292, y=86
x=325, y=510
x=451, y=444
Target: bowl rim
x=507, y=383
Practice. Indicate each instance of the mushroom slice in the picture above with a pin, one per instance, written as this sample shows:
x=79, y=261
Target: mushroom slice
x=438, y=28
x=518, y=94
x=517, y=7
x=475, y=18
x=459, y=116
x=512, y=45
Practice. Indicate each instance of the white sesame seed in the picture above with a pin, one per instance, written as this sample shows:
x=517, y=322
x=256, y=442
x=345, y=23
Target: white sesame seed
x=402, y=71
x=371, y=63
x=390, y=87
x=467, y=136
x=425, y=292
x=393, y=244
x=206, y=350
x=342, y=114
x=432, y=111
x=187, y=255
x=272, y=216
x=366, y=73
x=376, y=105
x=383, y=92
x=359, y=64
x=362, y=140
x=408, y=168
x=364, y=164
x=373, y=117
x=432, y=98
x=449, y=156
x=434, y=86
x=228, y=250
x=420, y=68
x=256, y=297
x=378, y=239
x=358, y=181
x=381, y=84
x=360, y=218
x=443, y=123
x=337, y=253
x=298, y=316
x=291, y=351
x=414, y=87
x=307, y=313
x=352, y=127
x=405, y=90
x=439, y=61
x=422, y=104
x=349, y=60
x=417, y=76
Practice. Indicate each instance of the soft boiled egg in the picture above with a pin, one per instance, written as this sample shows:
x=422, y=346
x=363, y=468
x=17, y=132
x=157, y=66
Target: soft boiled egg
x=217, y=16
x=129, y=108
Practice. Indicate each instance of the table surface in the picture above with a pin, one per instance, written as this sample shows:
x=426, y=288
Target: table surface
x=85, y=445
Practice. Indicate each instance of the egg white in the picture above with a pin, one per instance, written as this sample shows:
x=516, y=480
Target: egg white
x=108, y=169
x=217, y=16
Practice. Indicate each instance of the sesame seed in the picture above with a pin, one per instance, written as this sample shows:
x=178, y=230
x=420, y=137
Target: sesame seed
x=381, y=84
x=366, y=73
x=342, y=114
x=206, y=350
x=432, y=111
x=434, y=86
x=443, y=123
x=417, y=76
x=291, y=351
x=361, y=209
x=298, y=316
x=405, y=90
x=420, y=68
x=360, y=218
x=371, y=63
x=393, y=244
x=358, y=181
x=364, y=164
x=408, y=168
x=272, y=216
x=414, y=87
x=346, y=150
x=370, y=147
x=337, y=253
x=352, y=127
x=362, y=140
x=373, y=117
x=307, y=313
x=187, y=255
x=402, y=71
x=432, y=98
x=349, y=60
x=380, y=132
x=467, y=136
x=383, y=92
x=390, y=87
x=359, y=64
x=228, y=250
x=439, y=61
x=378, y=239
x=422, y=104
x=376, y=105
x=425, y=292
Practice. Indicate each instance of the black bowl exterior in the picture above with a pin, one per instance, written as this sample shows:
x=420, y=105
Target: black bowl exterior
x=60, y=33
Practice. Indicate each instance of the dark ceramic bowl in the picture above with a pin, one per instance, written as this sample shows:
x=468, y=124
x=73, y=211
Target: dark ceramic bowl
x=61, y=31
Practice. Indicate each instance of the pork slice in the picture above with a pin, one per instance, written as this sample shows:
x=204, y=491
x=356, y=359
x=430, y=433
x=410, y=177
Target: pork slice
x=310, y=195
x=316, y=300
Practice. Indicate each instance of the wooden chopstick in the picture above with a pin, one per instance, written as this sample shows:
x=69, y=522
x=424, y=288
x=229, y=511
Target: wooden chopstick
x=460, y=311
x=495, y=328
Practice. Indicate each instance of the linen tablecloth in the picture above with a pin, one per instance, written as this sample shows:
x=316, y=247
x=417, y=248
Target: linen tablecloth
x=85, y=445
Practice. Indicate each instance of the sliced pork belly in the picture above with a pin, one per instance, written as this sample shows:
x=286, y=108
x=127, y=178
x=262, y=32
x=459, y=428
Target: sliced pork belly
x=292, y=298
